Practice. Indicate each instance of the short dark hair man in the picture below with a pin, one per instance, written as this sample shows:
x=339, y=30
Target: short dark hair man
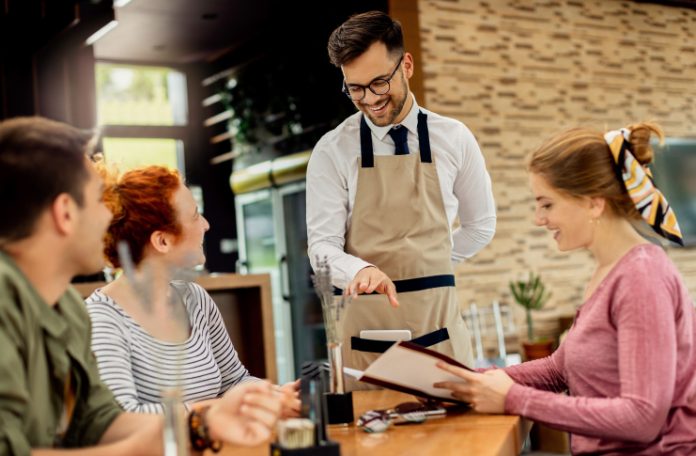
x=384, y=189
x=52, y=228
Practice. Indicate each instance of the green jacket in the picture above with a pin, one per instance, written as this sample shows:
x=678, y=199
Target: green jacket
x=38, y=345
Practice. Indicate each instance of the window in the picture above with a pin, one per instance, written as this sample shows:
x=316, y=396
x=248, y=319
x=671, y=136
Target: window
x=143, y=112
x=674, y=169
x=129, y=153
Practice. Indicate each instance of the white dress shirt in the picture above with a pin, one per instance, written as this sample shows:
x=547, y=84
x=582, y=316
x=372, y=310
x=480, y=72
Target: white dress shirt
x=332, y=181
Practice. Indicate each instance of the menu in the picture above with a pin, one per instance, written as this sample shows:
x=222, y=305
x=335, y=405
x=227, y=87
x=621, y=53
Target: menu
x=411, y=369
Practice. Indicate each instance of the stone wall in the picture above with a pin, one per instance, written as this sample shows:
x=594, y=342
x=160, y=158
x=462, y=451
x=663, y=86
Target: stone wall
x=517, y=71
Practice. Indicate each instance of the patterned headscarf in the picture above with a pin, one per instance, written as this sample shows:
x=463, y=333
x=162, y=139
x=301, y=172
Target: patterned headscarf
x=638, y=180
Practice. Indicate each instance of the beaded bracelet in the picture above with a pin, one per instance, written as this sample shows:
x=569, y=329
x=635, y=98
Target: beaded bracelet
x=198, y=431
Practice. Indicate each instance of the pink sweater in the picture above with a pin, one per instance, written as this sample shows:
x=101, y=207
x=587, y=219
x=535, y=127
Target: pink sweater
x=628, y=362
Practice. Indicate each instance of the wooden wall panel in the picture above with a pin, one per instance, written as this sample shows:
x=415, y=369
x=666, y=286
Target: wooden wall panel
x=516, y=72
x=406, y=12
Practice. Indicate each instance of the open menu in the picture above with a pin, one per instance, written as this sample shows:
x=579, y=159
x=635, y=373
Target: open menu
x=411, y=369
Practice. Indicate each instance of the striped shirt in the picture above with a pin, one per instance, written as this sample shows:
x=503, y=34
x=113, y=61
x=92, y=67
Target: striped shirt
x=137, y=367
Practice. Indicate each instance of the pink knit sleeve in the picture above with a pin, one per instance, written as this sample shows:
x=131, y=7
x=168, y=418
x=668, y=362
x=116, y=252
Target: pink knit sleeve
x=642, y=310
x=544, y=374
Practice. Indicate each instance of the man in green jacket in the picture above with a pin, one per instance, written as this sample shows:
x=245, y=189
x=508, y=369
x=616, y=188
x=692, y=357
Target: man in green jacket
x=52, y=224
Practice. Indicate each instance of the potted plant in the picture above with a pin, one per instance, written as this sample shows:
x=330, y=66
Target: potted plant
x=532, y=295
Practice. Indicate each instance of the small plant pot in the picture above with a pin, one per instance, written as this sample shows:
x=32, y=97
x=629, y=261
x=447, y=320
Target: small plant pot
x=537, y=350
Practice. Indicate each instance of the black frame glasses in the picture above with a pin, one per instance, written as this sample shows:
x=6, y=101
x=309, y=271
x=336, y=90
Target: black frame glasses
x=378, y=86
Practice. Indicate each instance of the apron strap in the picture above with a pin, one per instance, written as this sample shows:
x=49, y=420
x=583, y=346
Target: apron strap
x=417, y=284
x=367, y=152
x=380, y=346
x=424, y=138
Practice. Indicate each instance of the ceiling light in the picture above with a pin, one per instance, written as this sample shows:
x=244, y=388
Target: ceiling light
x=121, y=3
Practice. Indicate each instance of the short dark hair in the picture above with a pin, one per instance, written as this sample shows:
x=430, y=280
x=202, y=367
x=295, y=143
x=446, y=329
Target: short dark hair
x=359, y=32
x=39, y=160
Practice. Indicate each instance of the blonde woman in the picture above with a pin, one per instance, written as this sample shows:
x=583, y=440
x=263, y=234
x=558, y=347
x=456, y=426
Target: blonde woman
x=629, y=360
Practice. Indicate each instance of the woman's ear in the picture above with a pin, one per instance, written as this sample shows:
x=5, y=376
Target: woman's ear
x=161, y=241
x=597, y=206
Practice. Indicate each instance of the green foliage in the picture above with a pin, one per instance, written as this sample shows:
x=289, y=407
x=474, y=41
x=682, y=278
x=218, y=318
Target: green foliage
x=530, y=294
x=284, y=101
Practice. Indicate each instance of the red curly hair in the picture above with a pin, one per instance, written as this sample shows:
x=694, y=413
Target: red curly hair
x=141, y=202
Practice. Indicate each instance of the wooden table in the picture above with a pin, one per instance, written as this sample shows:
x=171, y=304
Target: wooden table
x=463, y=433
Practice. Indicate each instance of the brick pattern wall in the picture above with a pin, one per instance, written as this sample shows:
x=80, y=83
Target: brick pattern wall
x=517, y=71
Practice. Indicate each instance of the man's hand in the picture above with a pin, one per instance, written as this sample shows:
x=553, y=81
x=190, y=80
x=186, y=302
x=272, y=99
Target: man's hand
x=291, y=399
x=485, y=392
x=371, y=279
x=245, y=415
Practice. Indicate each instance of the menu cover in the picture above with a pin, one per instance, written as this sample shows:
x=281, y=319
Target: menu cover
x=411, y=369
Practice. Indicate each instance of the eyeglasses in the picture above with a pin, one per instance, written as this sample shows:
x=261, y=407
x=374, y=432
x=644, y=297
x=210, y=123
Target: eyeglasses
x=379, y=86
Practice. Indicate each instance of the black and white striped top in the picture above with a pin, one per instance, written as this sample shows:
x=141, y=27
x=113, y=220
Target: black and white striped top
x=136, y=366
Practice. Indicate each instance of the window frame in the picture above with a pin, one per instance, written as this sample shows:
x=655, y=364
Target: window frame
x=181, y=133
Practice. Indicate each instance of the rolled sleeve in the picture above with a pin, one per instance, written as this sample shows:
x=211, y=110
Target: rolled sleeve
x=327, y=218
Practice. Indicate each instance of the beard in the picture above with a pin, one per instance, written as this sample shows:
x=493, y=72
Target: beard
x=393, y=108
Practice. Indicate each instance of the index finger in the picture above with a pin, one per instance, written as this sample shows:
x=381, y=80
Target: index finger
x=391, y=294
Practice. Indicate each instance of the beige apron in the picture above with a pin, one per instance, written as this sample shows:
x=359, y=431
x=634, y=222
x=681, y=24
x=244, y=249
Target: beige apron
x=399, y=224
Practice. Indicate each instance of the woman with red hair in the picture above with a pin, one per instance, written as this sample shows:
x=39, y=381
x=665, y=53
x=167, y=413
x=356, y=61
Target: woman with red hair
x=153, y=334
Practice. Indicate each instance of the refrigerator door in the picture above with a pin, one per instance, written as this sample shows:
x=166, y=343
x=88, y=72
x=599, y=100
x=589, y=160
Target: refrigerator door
x=260, y=230
x=309, y=339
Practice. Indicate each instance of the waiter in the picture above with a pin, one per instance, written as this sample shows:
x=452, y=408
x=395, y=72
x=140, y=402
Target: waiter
x=383, y=191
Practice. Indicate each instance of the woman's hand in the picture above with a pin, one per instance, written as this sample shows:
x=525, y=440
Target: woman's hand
x=245, y=415
x=291, y=399
x=485, y=392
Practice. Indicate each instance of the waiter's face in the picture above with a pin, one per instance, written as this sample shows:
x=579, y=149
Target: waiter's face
x=377, y=63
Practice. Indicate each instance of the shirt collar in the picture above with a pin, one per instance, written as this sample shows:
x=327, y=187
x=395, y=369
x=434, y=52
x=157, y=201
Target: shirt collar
x=410, y=122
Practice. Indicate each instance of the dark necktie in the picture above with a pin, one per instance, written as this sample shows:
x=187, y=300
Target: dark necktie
x=399, y=134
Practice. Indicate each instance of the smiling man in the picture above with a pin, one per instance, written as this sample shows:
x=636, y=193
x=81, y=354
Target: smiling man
x=383, y=191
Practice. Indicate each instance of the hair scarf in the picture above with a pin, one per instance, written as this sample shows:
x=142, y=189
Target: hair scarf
x=638, y=180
